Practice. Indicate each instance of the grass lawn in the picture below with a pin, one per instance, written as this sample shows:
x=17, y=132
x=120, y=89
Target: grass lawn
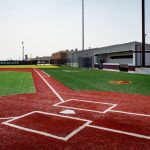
x=29, y=66
x=84, y=79
x=12, y=82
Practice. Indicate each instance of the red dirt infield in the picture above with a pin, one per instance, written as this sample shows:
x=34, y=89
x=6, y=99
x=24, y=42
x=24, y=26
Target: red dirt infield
x=123, y=126
x=48, y=124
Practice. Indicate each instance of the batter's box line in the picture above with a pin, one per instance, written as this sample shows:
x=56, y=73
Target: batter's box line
x=74, y=132
x=89, y=110
x=8, y=118
x=87, y=124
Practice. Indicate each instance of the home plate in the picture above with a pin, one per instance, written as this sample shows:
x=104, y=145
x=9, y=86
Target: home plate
x=67, y=111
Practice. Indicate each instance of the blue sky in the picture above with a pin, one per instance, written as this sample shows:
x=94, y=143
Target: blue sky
x=47, y=26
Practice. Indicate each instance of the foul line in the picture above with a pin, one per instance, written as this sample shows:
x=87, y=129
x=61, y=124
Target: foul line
x=108, y=110
x=121, y=132
x=54, y=91
x=46, y=74
x=129, y=113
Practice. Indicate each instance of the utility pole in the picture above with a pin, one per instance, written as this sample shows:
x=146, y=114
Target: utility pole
x=22, y=50
x=143, y=33
x=82, y=24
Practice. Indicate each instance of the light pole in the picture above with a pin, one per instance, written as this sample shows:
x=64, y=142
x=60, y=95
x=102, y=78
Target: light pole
x=143, y=33
x=82, y=24
x=22, y=50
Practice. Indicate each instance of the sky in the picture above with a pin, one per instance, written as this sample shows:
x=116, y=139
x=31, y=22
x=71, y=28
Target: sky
x=48, y=26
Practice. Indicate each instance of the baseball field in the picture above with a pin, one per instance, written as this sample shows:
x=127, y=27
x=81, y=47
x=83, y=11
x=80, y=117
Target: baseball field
x=62, y=108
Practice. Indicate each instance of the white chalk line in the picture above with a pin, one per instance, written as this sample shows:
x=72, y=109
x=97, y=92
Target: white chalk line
x=91, y=101
x=46, y=73
x=74, y=132
x=108, y=110
x=87, y=124
x=84, y=109
x=120, y=132
x=111, y=108
x=7, y=118
x=108, y=129
x=53, y=90
x=129, y=113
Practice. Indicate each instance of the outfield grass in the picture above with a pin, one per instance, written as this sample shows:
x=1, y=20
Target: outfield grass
x=82, y=79
x=29, y=66
x=12, y=82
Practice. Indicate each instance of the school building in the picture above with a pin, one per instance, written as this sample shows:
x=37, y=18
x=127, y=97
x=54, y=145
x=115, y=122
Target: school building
x=120, y=57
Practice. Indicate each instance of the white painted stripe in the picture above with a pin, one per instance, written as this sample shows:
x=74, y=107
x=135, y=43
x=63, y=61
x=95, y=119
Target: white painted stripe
x=110, y=108
x=61, y=102
x=54, y=91
x=129, y=113
x=81, y=109
x=74, y=132
x=46, y=73
x=34, y=131
x=87, y=124
x=84, y=101
x=63, y=116
x=89, y=110
x=7, y=118
x=92, y=101
x=16, y=118
x=120, y=132
x=46, y=113
x=77, y=130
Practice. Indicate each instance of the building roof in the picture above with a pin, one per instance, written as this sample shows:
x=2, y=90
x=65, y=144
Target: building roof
x=115, y=48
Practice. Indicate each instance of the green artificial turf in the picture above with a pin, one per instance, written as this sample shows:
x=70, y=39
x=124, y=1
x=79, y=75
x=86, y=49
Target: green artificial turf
x=84, y=79
x=29, y=66
x=12, y=82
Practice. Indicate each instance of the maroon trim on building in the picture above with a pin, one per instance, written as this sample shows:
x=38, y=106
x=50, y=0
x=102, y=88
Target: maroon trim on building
x=114, y=67
x=131, y=68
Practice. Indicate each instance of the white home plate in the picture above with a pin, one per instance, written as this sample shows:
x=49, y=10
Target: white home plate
x=67, y=111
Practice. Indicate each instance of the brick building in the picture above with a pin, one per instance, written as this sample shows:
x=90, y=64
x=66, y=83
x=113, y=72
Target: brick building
x=58, y=58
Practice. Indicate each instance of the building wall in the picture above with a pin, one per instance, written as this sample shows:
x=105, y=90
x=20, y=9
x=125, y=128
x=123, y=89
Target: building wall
x=147, y=58
x=72, y=58
x=126, y=52
x=116, y=48
x=42, y=60
x=110, y=58
x=87, y=56
x=59, y=58
x=139, y=59
x=59, y=55
x=138, y=55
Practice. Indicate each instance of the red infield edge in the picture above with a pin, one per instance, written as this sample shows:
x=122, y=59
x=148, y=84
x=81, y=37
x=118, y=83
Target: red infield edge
x=100, y=120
